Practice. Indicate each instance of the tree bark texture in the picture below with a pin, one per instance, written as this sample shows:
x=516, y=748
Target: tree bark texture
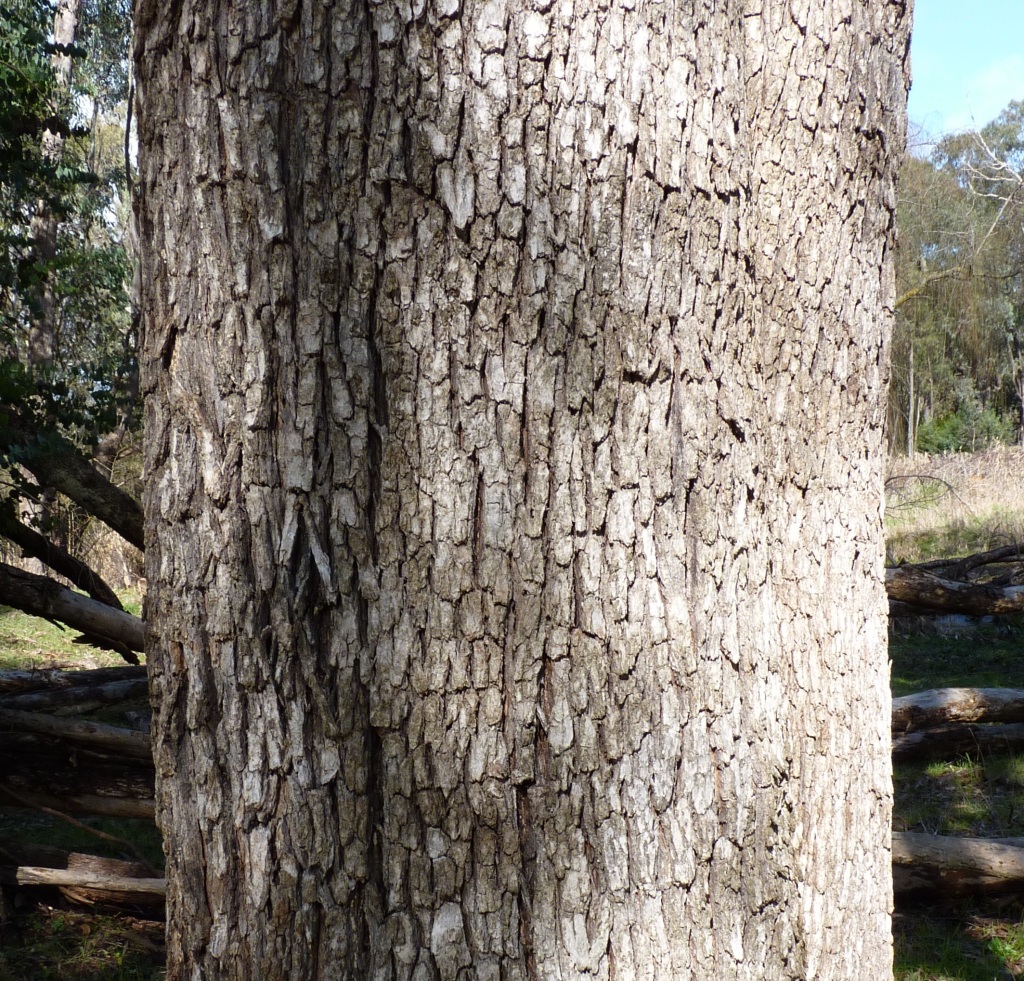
x=514, y=380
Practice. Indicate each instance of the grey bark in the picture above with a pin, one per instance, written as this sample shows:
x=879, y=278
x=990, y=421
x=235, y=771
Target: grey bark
x=514, y=388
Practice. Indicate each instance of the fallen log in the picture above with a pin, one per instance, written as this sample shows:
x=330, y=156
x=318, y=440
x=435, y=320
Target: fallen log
x=941, y=706
x=131, y=889
x=47, y=598
x=92, y=805
x=35, y=545
x=944, y=865
x=121, y=742
x=17, y=854
x=947, y=742
x=907, y=584
x=44, y=679
x=80, y=698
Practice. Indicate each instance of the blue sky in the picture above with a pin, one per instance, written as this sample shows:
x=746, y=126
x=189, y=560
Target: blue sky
x=968, y=62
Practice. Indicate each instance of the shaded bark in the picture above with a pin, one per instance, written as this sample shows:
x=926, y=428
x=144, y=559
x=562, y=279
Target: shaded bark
x=509, y=376
x=103, y=625
x=942, y=706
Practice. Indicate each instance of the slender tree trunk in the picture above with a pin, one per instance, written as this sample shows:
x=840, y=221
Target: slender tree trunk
x=514, y=397
x=44, y=224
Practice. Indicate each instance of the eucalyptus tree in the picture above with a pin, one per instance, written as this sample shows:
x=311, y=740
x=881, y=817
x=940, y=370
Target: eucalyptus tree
x=514, y=383
x=65, y=318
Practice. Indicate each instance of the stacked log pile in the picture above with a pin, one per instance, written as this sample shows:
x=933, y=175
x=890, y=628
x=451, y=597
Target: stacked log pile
x=943, y=724
x=69, y=767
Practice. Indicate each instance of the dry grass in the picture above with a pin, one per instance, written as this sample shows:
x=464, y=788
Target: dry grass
x=953, y=505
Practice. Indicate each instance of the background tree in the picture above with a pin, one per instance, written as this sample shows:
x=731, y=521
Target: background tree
x=65, y=317
x=514, y=387
x=956, y=346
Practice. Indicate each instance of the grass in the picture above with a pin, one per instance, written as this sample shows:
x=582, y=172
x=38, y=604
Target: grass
x=65, y=945
x=30, y=642
x=946, y=506
x=986, y=657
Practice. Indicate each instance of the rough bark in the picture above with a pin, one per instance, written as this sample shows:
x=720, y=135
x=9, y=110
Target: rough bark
x=104, y=625
x=926, y=591
x=513, y=413
x=943, y=866
x=944, y=706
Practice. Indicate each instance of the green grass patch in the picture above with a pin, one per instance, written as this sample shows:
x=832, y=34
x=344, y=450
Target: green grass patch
x=976, y=657
x=31, y=642
x=958, y=945
x=64, y=945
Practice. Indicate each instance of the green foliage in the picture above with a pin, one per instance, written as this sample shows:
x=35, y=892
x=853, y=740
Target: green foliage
x=966, y=430
x=64, y=208
x=960, y=289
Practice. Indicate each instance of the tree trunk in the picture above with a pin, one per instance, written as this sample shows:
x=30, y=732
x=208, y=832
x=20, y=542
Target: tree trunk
x=43, y=325
x=514, y=407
